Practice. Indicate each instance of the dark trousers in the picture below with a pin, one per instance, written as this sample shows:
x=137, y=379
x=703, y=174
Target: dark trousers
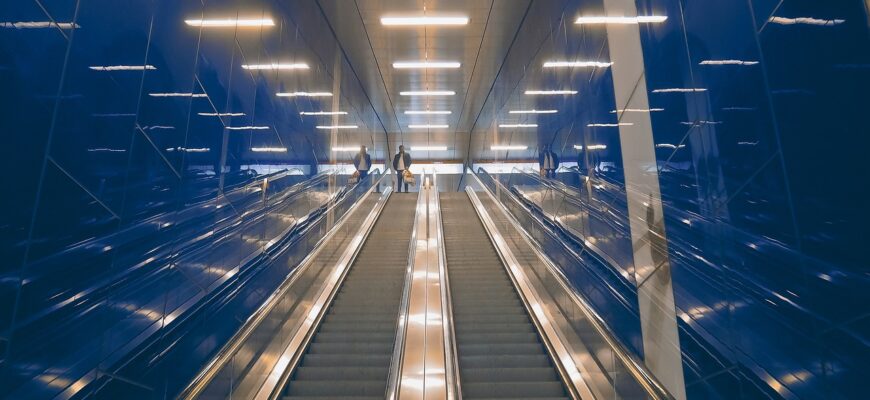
x=551, y=173
x=400, y=180
x=363, y=174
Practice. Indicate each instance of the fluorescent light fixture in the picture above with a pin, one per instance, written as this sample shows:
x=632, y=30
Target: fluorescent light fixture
x=637, y=110
x=345, y=148
x=323, y=113
x=669, y=146
x=428, y=126
x=187, y=150
x=425, y=64
x=122, y=67
x=275, y=66
x=424, y=20
x=337, y=126
x=39, y=25
x=728, y=62
x=230, y=22
x=269, y=149
x=550, y=92
x=577, y=64
x=518, y=125
x=428, y=112
x=248, y=128
x=202, y=114
x=428, y=93
x=532, y=111
x=806, y=21
x=591, y=147
x=597, y=20
x=610, y=125
x=304, y=94
x=428, y=148
x=680, y=90
x=502, y=147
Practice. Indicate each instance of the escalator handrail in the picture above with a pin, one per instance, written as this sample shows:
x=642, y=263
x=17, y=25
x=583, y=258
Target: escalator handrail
x=635, y=366
x=228, y=351
x=451, y=355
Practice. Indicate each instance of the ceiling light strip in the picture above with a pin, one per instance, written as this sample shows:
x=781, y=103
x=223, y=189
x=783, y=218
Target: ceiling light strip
x=424, y=20
x=230, y=22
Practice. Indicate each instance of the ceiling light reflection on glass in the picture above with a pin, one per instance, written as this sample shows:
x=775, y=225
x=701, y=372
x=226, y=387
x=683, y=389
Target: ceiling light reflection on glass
x=177, y=94
x=591, y=147
x=428, y=126
x=518, y=125
x=637, y=110
x=425, y=64
x=503, y=147
x=806, y=21
x=599, y=20
x=204, y=114
x=230, y=22
x=337, y=126
x=304, y=94
x=269, y=149
x=532, y=111
x=428, y=93
x=39, y=25
x=424, y=20
x=550, y=92
x=345, y=148
x=122, y=67
x=680, y=90
x=610, y=125
x=323, y=113
x=247, y=128
x=428, y=148
x=428, y=112
x=728, y=62
x=577, y=64
x=275, y=66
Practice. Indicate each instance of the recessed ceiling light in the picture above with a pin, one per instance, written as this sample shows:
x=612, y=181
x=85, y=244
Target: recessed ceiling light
x=646, y=19
x=550, y=92
x=428, y=112
x=323, y=113
x=304, y=94
x=230, y=22
x=425, y=64
x=518, y=126
x=424, y=20
x=275, y=66
x=576, y=64
x=345, y=148
x=498, y=147
x=428, y=148
x=428, y=93
x=269, y=149
x=427, y=126
x=337, y=126
x=532, y=111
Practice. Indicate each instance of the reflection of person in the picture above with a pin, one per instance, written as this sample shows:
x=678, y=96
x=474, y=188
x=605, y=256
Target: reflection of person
x=362, y=161
x=548, y=160
x=401, y=163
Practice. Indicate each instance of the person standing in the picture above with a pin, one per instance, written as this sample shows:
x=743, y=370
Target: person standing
x=401, y=163
x=548, y=161
x=362, y=161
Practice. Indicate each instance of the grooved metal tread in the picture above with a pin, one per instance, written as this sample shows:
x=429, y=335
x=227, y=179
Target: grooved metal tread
x=349, y=356
x=500, y=352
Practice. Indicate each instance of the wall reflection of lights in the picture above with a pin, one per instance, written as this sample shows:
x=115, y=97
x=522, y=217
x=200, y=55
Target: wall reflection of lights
x=269, y=149
x=518, y=125
x=123, y=67
x=550, y=92
x=304, y=94
x=506, y=147
x=637, y=110
x=177, y=94
x=728, y=62
x=805, y=21
x=428, y=148
x=577, y=64
x=203, y=114
x=345, y=148
x=669, y=146
x=189, y=150
x=597, y=125
x=533, y=111
x=694, y=123
x=337, y=126
x=248, y=128
x=591, y=147
x=106, y=150
x=428, y=112
x=323, y=113
x=275, y=66
x=428, y=126
x=598, y=20
x=424, y=20
x=230, y=22
x=680, y=90
x=39, y=25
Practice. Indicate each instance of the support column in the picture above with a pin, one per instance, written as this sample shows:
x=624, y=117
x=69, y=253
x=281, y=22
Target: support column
x=649, y=242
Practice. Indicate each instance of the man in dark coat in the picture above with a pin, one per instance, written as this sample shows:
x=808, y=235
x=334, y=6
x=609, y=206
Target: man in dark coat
x=548, y=160
x=401, y=163
x=362, y=161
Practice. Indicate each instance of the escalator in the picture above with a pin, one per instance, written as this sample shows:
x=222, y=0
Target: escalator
x=500, y=352
x=349, y=356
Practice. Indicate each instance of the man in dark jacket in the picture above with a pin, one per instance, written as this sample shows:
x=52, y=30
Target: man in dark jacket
x=401, y=162
x=362, y=161
x=548, y=160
